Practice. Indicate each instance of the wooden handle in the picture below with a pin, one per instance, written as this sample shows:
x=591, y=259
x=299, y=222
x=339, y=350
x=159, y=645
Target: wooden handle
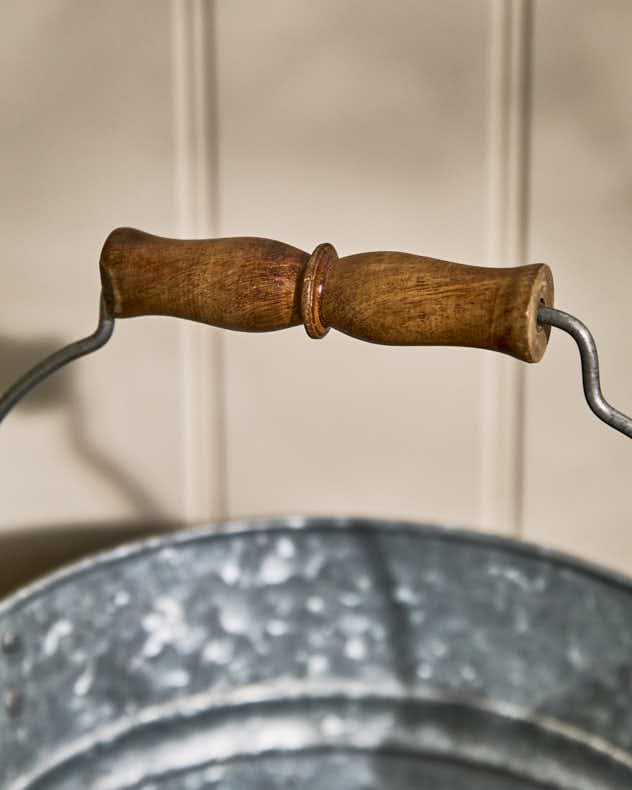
x=393, y=298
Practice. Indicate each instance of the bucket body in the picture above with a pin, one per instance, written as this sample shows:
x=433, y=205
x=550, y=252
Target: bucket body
x=319, y=653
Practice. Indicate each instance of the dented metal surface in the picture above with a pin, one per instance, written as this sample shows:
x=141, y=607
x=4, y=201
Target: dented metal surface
x=320, y=653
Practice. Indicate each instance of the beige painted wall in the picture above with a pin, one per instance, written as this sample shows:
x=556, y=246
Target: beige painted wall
x=372, y=125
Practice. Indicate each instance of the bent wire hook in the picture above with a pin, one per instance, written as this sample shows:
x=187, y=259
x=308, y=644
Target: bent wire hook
x=590, y=367
x=47, y=366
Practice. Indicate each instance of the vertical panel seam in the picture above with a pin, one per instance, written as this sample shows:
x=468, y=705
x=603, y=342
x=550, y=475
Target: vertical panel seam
x=522, y=218
x=196, y=193
x=502, y=441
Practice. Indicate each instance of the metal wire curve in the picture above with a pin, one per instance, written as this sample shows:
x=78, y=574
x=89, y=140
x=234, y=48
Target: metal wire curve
x=546, y=315
x=47, y=366
x=590, y=367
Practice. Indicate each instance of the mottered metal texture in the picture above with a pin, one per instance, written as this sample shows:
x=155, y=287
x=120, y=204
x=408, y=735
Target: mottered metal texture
x=318, y=653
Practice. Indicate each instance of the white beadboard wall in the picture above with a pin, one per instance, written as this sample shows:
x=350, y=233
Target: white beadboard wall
x=86, y=144
x=354, y=123
x=483, y=132
x=577, y=470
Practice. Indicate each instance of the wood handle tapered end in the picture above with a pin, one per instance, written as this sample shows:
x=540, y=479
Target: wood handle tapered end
x=401, y=299
x=393, y=298
x=248, y=283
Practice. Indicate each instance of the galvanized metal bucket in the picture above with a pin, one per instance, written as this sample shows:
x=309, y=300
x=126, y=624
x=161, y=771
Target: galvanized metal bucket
x=319, y=653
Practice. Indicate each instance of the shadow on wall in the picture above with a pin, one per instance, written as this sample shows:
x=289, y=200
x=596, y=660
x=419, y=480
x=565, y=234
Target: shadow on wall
x=59, y=392
x=30, y=552
x=27, y=553
x=18, y=356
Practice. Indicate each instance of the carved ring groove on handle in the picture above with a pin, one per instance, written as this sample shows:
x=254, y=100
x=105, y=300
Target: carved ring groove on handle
x=312, y=292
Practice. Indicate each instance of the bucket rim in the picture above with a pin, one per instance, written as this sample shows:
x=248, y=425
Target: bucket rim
x=227, y=528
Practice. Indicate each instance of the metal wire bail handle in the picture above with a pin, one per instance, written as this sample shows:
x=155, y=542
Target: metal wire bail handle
x=590, y=367
x=48, y=366
x=546, y=315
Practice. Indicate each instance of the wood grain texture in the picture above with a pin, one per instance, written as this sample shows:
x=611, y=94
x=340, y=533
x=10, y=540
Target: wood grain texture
x=390, y=298
x=247, y=283
x=400, y=299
